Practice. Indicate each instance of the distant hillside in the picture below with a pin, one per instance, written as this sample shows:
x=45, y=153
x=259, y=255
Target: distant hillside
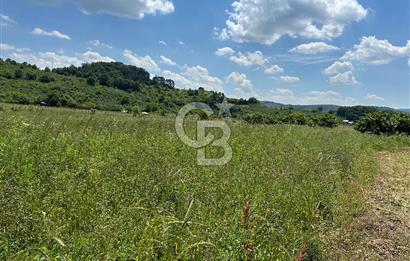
x=102, y=86
x=324, y=107
x=405, y=110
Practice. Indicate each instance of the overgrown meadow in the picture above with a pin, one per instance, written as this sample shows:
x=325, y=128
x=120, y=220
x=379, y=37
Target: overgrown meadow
x=81, y=185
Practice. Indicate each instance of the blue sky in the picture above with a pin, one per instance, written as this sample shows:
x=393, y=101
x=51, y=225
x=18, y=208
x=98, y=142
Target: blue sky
x=342, y=52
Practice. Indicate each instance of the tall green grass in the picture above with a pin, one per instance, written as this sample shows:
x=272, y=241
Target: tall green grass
x=77, y=185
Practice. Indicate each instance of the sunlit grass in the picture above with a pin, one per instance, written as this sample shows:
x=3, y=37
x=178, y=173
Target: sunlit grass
x=81, y=185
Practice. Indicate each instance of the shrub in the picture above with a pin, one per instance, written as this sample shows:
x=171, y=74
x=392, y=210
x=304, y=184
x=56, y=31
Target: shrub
x=380, y=122
x=259, y=118
x=91, y=81
x=31, y=76
x=45, y=78
x=404, y=124
x=326, y=120
x=20, y=98
x=88, y=105
x=152, y=107
x=18, y=74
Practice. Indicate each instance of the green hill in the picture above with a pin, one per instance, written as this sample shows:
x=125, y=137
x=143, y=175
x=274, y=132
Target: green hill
x=102, y=86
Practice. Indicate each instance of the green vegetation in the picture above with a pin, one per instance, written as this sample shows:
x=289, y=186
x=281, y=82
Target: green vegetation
x=98, y=185
x=388, y=123
x=101, y=86
x=294, y=117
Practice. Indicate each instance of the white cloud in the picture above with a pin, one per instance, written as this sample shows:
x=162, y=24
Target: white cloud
x=46, y=59
x=273, y=69
x=180, y=81
x=181, y=43
x=39, y=31
x=373, y=97
x=373, y=51
x=52, y=59
x=7, y=47
x=314, y=97
x=200, y=77
x=289, y=79
x=167, y=61
x=224, y=51
x=91, y=57
x=145, y=62
x=249, y=59
x=346, y=78
x=6, y=20
x=338, y=67
x=98, y=44
x=163, y=43
x=133, y=9
x=282, y=92
x=265, y=21
x=314, y=48
x=240, y=80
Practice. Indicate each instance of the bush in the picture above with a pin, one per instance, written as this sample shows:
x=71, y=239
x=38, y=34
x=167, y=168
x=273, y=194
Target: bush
x=91, y=81
x=259, y=118
x=404, y=124
x=31, y=76
x=152, y=107
x=88, y=105
x=18, y=74
x=45, y=78
x=326, y=120
x=20, y=98
x=380, y=123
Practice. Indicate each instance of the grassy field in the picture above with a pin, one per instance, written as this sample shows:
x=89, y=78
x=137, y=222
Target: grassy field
x=81, y=185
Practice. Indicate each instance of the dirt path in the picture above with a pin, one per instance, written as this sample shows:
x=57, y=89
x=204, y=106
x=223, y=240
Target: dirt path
x=383, y=231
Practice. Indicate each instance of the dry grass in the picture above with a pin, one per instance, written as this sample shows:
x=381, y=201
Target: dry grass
x=383, y=231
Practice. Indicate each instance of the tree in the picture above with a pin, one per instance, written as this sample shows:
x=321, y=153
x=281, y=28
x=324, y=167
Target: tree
x=31, y=76
x=91, y=81
x=253, y=100
x=45, y=78
x=18, y=74
x=379, y=122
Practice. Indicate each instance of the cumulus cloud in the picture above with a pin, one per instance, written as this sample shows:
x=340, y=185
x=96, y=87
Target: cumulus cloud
x=224, y=51
x=200, y=77
x=287, y=96
x=314, y=48
x=249, y=58
x=91, y=57
x=373, y=51
x=373, y=97
x=167, y=61
x=273, y=69
x=6, y=20
x=338, y=67
x=145, y=62
x=99, y=44
x=240, y=81
x=163, y=43
x=289, y=79
x=39, y=31
x=266, y=21
x=52, y=59
x=345, y=78
x=180, y=81
x=133, y=9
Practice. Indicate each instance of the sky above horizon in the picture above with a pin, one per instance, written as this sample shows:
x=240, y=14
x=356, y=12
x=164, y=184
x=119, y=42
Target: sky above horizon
x=343, y=52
